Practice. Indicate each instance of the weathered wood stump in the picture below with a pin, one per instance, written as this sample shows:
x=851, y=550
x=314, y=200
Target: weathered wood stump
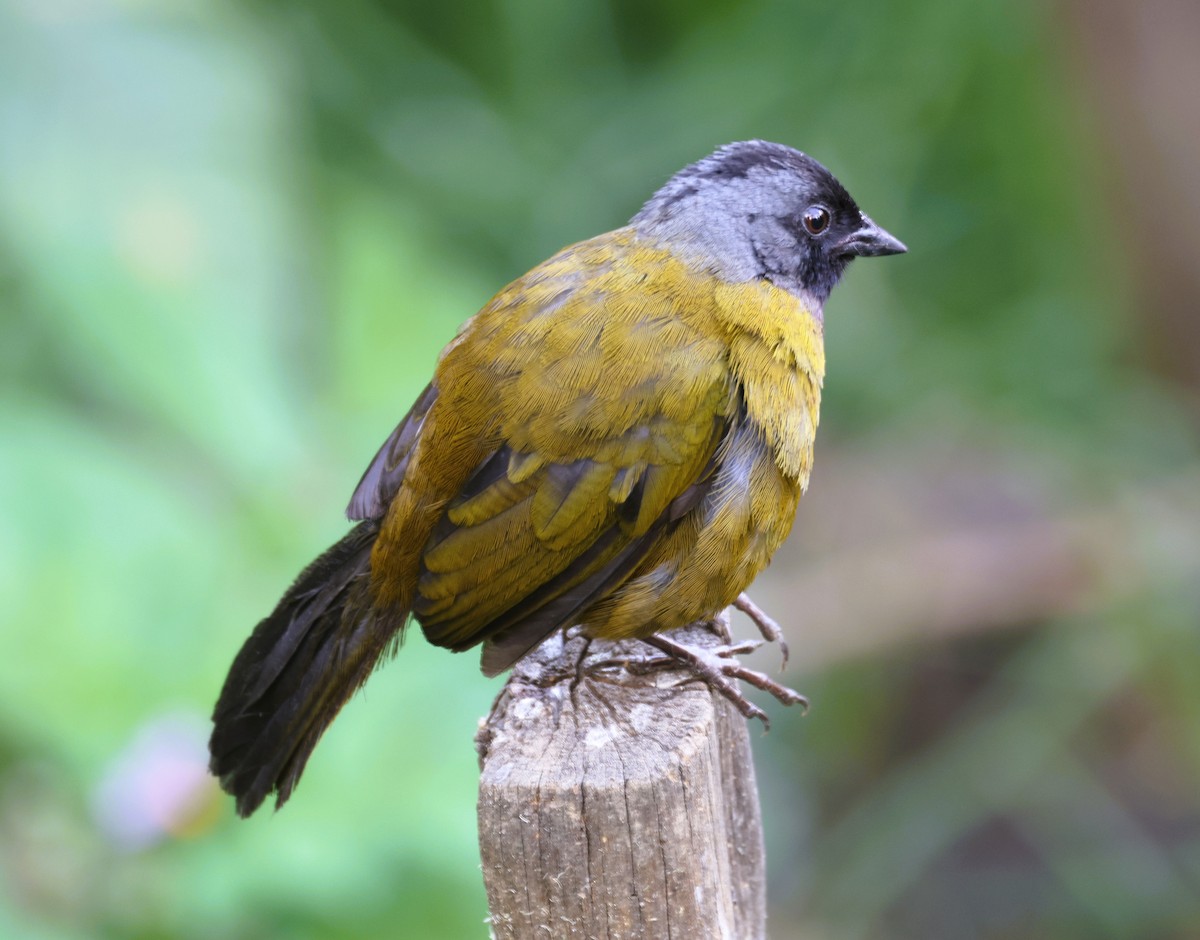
x=618, y=801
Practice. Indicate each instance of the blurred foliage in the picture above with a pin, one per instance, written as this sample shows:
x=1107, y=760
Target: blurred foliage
x=233, y=237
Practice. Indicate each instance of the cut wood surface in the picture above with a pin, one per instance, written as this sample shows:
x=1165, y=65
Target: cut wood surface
x=617, y=802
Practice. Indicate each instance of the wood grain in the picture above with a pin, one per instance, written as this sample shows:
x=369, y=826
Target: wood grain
x=617, y=802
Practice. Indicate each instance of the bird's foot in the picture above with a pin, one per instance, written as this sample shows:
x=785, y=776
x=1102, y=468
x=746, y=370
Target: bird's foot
x=770, y=630
x=718, y=668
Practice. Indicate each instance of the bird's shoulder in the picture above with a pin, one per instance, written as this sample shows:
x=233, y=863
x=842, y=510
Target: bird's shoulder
x=611, y=342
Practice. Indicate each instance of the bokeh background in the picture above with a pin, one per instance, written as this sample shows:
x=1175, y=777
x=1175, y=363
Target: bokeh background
x=233, y=237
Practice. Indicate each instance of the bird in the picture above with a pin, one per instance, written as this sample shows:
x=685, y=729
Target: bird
x=616, y=442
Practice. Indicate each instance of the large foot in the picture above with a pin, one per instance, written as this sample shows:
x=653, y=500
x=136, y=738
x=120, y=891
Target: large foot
x=770, y=630
x=718, y=668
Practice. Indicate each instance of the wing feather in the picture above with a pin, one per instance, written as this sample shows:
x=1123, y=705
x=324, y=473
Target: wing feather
x=385, y=473
x=598, y=407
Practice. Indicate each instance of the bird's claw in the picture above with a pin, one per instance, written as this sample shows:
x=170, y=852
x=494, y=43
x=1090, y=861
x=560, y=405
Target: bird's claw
x=741, y=648
x=771, y=631
x=718, y=667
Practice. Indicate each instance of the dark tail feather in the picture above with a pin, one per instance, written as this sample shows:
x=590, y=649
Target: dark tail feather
x=295, y=672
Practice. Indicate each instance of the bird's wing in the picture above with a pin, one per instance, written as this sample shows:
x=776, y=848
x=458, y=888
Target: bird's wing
x=607, y=410
x=386, y=472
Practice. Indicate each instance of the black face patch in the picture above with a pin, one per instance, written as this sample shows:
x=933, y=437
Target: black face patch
x=817, y=267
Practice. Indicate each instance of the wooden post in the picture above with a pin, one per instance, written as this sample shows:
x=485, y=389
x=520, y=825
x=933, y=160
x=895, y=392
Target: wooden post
x=617, y=801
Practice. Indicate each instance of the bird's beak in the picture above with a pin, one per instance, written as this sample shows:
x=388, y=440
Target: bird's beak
x=870, y=241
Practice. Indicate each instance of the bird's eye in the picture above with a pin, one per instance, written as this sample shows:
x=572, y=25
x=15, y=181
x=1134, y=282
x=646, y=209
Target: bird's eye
x=816, y=219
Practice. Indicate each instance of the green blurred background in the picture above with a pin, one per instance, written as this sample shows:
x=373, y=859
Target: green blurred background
x=233, y=238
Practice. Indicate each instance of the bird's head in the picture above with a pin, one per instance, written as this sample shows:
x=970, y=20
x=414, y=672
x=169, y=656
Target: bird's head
x=761, y=210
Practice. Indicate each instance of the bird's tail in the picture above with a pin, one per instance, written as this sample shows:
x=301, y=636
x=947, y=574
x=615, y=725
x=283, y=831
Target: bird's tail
x=295, y=672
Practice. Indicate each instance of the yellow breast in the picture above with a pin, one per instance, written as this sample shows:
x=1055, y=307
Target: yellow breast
x=775, y=362
x=777, y=355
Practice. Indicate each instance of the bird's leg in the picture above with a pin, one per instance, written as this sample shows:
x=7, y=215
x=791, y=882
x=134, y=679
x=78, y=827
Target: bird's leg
x=770, y=630
x=722, y=627
x=580, y=671
x=717, y=667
